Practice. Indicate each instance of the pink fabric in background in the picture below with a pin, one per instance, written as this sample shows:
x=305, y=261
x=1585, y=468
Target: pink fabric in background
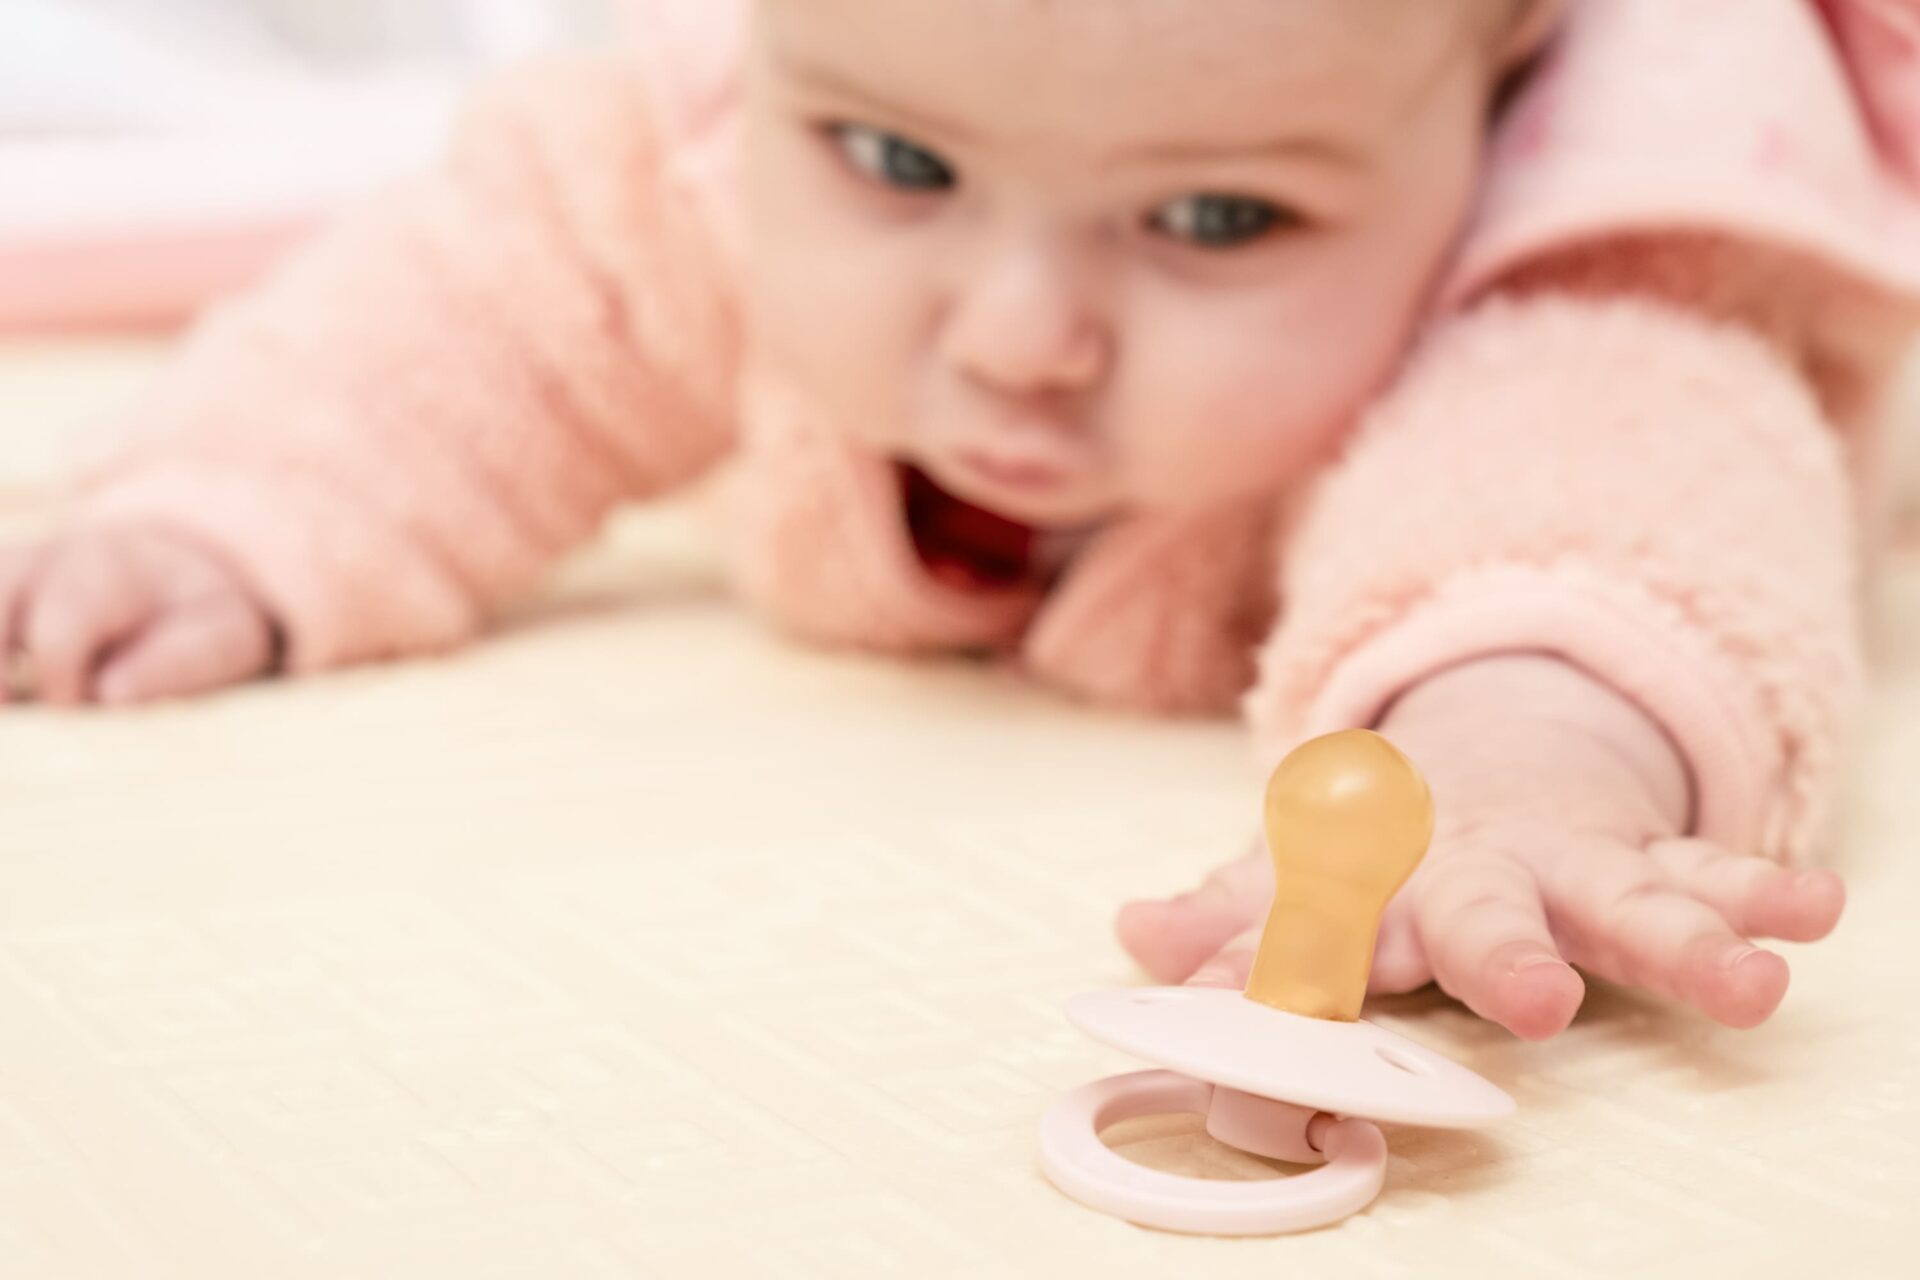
x=135, y=282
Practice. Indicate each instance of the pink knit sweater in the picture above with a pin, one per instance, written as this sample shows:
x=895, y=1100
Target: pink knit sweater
x=1635, y=433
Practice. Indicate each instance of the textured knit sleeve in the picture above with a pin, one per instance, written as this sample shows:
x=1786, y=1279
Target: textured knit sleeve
x=452, y=387
x=1650, y=492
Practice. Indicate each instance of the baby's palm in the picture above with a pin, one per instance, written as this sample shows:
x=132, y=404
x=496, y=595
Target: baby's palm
x=127, y=615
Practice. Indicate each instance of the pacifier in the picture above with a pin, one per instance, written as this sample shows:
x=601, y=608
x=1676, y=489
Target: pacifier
x=1285, y=1070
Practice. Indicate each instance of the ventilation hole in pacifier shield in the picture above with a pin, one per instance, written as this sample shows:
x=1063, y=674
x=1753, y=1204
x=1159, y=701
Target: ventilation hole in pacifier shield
x=1402, y=1061
x=1180, y=1144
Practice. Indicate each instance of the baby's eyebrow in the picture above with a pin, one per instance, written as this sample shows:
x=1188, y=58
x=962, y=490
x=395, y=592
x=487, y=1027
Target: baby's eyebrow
x=1295, y=147
x=1317, y=148
x=838, y=84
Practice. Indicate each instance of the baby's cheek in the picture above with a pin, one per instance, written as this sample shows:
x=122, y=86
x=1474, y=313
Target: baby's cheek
x=1212, y=420
x=837, y=334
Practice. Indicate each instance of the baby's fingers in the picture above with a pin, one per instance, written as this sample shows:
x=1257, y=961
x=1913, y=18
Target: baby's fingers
x=1484, y=930
x=84, y=600
x=1756, y=896
x=1171, y=937
x=17, y=566
x=1631, y=926
x=192, y=648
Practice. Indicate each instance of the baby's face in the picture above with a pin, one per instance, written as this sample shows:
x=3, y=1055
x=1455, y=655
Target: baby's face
x=1075, y=256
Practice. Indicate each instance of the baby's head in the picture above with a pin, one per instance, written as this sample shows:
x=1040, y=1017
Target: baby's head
x=1074, y=256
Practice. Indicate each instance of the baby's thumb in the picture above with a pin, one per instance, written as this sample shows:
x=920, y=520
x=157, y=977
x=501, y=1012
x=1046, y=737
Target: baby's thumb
x=1171, y=937
x=1230, y=965
x=1398, y=963
x=190, y=649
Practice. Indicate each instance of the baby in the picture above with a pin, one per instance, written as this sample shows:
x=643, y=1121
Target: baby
x=1351, y=360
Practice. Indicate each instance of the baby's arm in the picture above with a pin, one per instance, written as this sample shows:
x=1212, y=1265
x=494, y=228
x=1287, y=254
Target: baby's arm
x=415, y=417
x=1592, y=564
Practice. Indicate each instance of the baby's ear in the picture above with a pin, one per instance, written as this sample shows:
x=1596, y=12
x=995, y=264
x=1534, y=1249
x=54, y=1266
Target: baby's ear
x=1534, y=22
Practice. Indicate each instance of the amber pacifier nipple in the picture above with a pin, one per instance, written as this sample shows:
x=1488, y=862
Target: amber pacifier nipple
x=1348, y=817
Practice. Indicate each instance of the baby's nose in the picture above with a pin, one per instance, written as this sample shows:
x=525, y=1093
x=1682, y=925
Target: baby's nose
x=1024, y=326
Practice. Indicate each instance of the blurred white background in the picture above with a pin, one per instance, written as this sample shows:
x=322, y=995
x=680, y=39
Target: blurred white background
x=355, y=29
x=154, y=153
x=76, y=64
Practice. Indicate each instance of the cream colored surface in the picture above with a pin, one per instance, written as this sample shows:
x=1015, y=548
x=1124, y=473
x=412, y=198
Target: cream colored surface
x=637, y=943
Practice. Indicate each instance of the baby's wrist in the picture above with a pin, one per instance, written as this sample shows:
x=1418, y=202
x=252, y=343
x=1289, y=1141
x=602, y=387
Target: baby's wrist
x=1525, y=738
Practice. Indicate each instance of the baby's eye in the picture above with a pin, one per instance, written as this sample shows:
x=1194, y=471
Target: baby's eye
x=1220, y=222
x=891, y=159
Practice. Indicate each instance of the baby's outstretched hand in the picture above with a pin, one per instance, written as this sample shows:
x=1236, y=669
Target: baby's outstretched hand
x=127, y=615
x=1556, y=847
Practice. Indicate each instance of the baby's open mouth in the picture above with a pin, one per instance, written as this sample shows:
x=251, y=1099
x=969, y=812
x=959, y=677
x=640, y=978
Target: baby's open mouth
x=963, y=545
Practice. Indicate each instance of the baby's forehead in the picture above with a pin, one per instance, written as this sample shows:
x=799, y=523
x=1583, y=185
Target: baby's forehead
x=1177, y=67
x=1386, y=33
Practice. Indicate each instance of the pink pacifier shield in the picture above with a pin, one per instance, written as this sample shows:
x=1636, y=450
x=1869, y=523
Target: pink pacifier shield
x=1347, y=1068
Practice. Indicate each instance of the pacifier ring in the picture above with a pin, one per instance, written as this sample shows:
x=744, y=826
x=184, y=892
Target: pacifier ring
x=1081, y=1165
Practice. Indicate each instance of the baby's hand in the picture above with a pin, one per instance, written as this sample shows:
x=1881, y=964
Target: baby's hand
x=127, y=615
x=1557, y=843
